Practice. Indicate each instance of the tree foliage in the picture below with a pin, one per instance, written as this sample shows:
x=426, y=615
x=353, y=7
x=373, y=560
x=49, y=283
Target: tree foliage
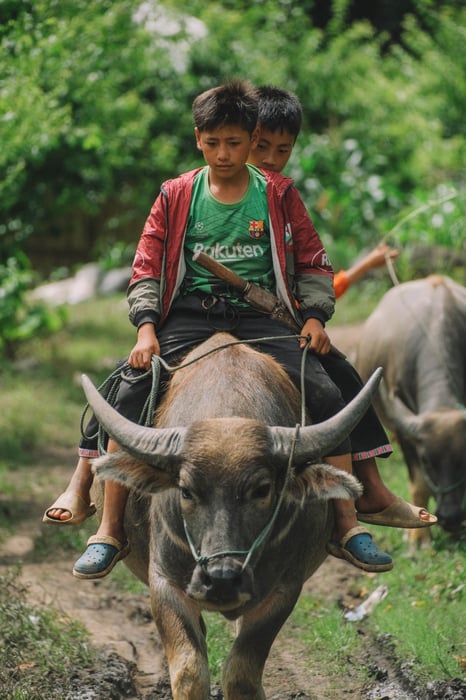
x=95, y=112
x=89, y=116
x=22, y=317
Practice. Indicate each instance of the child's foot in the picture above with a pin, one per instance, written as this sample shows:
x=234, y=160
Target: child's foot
x=358, y=548
x=101, y=555
x=374, y=499
x=396, y=513
x=70, y=508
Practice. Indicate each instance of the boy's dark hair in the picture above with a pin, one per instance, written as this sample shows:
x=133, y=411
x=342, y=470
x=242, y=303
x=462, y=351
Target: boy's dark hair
x=279, y=109
x=234, y=103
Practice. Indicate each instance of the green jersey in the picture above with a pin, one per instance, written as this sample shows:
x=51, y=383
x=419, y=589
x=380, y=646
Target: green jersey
x=237, y=235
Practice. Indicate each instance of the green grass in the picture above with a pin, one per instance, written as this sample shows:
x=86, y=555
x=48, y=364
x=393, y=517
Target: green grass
x=426, y=605
x=423, y=613
x=39, y=649
x=42, y=398
x=220, y=636
x=318, y=630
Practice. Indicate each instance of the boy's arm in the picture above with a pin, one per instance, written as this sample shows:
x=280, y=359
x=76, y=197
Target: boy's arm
x=144, y=302
x=313, y=278
x=144, y=297
x=149, y=255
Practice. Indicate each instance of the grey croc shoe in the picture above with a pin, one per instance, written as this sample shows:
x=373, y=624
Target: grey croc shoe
x=101, y=555
x=358, y=547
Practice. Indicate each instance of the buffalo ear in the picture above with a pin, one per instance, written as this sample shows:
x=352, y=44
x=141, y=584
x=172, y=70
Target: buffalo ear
x=323, y=482
x=133, y=473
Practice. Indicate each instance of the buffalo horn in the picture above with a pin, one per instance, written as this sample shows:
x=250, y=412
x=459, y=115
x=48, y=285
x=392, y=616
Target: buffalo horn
x=160, y=446
x=318, y=440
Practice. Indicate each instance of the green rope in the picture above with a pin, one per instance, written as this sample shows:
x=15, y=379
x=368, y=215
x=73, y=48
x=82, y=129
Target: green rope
x=109, y=389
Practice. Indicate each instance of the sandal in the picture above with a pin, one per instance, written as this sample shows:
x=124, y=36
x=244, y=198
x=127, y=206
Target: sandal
x=101, y=555
x=400, y=513
x=358, y=547
x=75, y=504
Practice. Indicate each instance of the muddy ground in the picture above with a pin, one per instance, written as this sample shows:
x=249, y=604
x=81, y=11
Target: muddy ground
x=133, y=664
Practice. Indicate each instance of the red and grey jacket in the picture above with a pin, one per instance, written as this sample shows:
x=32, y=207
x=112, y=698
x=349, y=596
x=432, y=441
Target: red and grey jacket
x=303, y=273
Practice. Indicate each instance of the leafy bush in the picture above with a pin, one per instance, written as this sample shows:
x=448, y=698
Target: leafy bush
x=20, y=317
x=87, y=98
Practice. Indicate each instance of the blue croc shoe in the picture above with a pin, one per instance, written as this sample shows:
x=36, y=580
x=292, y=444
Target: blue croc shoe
x=358, y=547
x=101, y=555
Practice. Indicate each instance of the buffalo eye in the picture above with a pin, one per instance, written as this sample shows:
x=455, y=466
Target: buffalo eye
x=261, y=491
x=186, y=494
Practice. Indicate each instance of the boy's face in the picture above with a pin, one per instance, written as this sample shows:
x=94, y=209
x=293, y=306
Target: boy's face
x=226, y=149
x=273, y=150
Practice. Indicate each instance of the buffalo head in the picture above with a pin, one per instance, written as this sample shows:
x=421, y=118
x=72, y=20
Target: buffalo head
x=436, y=439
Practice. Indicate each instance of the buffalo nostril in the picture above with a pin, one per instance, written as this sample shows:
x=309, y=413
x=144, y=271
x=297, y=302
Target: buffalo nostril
x=222, y=573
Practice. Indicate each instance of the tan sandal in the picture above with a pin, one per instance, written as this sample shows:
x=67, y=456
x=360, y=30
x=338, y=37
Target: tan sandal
x=400, y=513
x=75, y=504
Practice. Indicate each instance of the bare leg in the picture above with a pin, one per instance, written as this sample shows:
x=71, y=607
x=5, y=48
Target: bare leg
x=344, y=508
x=115, y=497
x=349, y=540
x=376, y=496
x=80, y=483
x=109, y=544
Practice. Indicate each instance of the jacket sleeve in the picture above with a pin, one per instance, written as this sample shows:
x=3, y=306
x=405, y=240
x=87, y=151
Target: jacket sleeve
x=144, y=302
x=143, y=294
x=148, y=260
x=313, y=274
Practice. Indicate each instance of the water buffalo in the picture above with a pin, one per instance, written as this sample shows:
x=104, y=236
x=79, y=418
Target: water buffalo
x=232, y=509
x=417, y=334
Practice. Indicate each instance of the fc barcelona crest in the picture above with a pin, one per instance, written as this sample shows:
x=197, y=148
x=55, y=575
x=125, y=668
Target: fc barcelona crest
x=256, y=229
